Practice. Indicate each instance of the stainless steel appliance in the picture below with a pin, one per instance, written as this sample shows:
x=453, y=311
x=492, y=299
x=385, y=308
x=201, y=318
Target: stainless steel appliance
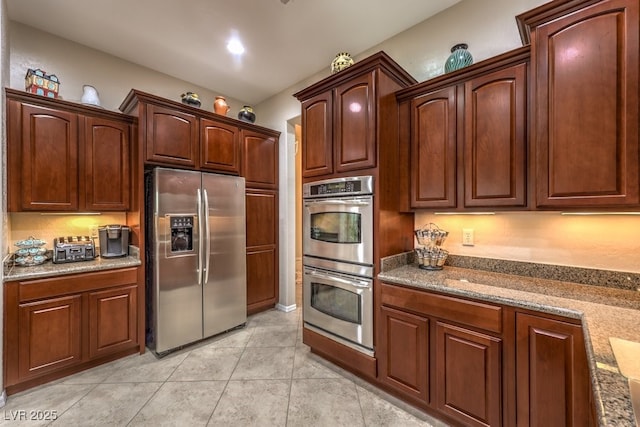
x=338, y=260
x=339, y=306
x=338, y=219
x=73, y=249
x=114, y=241
x=197, y=256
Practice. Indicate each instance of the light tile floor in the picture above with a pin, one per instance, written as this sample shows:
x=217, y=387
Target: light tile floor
x=260, y=375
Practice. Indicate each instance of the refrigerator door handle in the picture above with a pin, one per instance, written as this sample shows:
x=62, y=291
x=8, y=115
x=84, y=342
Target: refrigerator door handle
x=200, y=240
x=207, y=233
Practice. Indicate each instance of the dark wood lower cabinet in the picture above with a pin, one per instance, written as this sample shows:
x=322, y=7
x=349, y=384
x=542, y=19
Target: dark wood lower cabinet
x=552, y=373
x=403, y=352
x=262, y=287
x=262, y=249
x=56, y=326
x=468, y=375
x=476, y=363
x=49, y=335
x=112, y=320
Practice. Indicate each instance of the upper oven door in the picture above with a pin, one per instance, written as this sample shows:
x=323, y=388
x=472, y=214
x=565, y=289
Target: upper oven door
x=339, y=229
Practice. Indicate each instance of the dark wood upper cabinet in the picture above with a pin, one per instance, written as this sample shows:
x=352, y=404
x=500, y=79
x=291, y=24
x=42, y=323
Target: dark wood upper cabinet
x=219, y=146
x=343, y=117
x=107, y=186
x=466, y=143
x=338, y=128
x=585, y=92
x=495, y=138
x=171, y=136
x=48, y=171
x=66, y=157
x=317, y=134
x=260, y=159
x=355, y=124
x=433, y=149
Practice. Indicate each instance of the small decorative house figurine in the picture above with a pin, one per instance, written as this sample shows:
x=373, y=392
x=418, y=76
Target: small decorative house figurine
x=38, y=82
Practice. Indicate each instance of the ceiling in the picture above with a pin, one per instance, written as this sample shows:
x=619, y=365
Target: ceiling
x=285, y=43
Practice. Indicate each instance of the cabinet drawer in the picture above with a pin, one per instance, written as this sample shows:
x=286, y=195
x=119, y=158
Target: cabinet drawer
x=76, y=283
x=470, y=313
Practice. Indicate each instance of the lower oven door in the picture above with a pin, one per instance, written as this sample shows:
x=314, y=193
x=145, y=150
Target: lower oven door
x=340, y=307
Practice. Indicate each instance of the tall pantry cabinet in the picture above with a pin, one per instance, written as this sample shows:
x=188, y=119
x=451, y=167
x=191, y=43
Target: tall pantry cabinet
x=350, y=128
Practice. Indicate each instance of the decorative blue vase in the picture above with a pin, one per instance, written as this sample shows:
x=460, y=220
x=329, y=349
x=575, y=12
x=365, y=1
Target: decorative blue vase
x=459, y=58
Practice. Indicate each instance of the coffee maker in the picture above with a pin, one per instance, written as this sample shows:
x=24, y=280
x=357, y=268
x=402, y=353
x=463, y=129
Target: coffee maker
x=114, y=240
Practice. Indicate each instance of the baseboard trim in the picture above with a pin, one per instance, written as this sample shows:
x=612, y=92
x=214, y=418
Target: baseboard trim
x=286, y=308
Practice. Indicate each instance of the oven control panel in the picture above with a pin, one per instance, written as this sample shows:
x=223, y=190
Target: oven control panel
x=349, y=186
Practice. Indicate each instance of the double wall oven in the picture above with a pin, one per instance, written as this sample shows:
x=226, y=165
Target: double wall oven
x=338, y=260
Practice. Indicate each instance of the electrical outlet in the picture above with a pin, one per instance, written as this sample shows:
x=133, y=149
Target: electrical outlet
x=93, y=231
x=467, y=237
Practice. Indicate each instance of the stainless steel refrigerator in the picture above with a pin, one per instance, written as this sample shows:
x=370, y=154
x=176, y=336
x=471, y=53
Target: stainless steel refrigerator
x=196, y=279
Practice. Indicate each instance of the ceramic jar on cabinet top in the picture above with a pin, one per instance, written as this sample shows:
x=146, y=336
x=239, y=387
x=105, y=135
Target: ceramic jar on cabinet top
x=220, y=106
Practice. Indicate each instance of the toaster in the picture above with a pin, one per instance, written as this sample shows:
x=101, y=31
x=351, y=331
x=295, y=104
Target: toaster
x=73, y=249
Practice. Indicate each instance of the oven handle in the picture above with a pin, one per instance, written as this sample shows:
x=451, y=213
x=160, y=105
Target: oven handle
x=340, y=202
x=354, y=282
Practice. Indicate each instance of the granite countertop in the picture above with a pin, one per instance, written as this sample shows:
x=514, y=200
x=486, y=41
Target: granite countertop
x=604, y=312
x=49, y=269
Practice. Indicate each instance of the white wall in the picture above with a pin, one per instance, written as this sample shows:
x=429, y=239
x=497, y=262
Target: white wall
x=76, y=65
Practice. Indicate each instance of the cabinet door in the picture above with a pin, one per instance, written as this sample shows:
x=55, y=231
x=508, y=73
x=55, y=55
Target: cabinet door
x=355, y=124
x=262, y=250
x=172, y=136
x=260, y=160
x=112, y=320
x=433, y=150
x=49, y=160
x=495, y=139
x=552, y=384
x=49, y=336
x=317, y=135
x=468, y=375
x=219, y=147
x=403, y=352
x=586, y=112
x=107, y=177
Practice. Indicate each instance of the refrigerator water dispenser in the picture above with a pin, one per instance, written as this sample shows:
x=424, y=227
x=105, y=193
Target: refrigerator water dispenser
x=181, y=233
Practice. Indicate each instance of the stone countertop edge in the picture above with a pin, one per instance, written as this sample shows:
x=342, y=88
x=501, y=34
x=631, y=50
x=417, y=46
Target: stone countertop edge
x=603, y=312
x=49, y=269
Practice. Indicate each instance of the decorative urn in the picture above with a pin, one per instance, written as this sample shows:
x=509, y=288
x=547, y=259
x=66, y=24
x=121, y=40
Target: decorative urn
x=246, y=114
x=342, y=61
x=191, y=98
x=220, y=106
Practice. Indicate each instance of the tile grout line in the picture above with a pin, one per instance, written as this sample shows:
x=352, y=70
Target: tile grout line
x=226, y=384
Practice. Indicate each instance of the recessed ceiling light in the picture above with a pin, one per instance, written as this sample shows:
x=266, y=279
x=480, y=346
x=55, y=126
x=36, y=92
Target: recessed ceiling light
x=235, y=46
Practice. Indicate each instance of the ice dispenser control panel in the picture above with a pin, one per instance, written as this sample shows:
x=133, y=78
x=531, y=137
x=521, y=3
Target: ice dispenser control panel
x=181, y=233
